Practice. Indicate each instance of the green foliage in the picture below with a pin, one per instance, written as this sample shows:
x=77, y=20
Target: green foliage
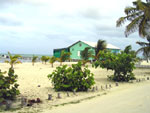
x=8, y=86
x=45, y=59
x=138, y=16
x=34, y=58
x=122, y=64
x=86, y=53
x=145, y=48
x=13, y=59
x=72, y=78
x=64, y=56
x=52, y=60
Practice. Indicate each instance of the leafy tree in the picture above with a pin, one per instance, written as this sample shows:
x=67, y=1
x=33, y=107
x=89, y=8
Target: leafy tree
x=45, y=59
x=13, y=59
x=138, y=16
x=34, y=58
x=52, y=60
x=145, y=48
x=64, y=56
x=8, y=86
x=72, y=78
x=122, y=63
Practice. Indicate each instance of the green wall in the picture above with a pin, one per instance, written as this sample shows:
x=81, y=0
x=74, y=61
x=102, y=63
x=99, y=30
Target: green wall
x=80, y=46
x=57, y=52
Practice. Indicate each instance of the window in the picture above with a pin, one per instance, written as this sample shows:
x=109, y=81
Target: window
x=78, y=53
x=80, y=45
x=72, y=49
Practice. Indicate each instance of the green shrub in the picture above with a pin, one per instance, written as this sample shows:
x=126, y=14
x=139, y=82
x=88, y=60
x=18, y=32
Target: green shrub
x=8, y=86
x=122, y=64
x=72, y=78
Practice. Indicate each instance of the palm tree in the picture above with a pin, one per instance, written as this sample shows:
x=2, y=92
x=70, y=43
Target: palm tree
x=64, y=56
x=101, y=45
x=42, y=59
x=139, y=17
x=45, y=59
x=34, y=58
x=85, y=55
x=13, y=59
x=52, y=60
x=145, y=49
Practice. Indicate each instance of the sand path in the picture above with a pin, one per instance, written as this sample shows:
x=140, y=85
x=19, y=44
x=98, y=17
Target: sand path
x=135, y=99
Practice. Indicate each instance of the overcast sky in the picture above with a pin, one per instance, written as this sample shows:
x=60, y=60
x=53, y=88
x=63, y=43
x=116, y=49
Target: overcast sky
x=39, y=26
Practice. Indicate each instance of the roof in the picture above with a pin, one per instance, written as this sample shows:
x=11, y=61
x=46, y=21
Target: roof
x=92, y=44
x=108, y=46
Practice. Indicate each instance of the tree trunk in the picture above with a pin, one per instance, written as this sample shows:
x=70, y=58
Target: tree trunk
x=147, y=60
x=52, y=65
x=12, y=66
x=60, y=63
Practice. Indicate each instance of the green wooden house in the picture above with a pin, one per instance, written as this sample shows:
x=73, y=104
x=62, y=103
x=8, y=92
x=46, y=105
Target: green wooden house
x=76, y=48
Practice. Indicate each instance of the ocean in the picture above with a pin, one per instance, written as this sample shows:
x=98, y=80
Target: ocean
x=25, y=57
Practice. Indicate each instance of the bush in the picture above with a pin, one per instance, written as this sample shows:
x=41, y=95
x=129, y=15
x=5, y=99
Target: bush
x=122, y=64
x=8, y=86
x=72, y=78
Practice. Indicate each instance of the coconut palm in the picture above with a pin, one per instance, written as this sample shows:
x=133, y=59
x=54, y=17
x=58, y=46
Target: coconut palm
x=85, y=55
x=13, y=59
x=138, y=16
x=45, y=59
x=101, y=45
x=145, y=48
x=52, y=60
x=64, y=56
x=34, y=58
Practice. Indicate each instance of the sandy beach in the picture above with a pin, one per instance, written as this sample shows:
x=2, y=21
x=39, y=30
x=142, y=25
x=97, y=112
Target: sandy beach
x=30, y=77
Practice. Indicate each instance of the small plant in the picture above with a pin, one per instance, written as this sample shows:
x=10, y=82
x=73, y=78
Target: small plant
x=8, y=86
x=52, y=60
x=122, y=64
x=34, y=58
x=13, y=59
x=72, y=78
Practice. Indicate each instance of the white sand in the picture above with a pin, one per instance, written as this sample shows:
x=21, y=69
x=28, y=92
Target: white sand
x=29, y=77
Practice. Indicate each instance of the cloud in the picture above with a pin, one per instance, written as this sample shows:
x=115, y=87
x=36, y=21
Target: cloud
x=10, y=20
x=91, y=13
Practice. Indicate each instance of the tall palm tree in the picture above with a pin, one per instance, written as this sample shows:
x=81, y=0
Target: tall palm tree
x=101, y=45
x=145, y=48
x=13, y=59
x=64, y=56
x=52, y=60
x=34, y=58
x=139, y=17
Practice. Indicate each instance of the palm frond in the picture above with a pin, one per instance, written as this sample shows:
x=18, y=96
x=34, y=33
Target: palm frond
x=17, y=56
x=18, y=62
x=142, y=43
x=9, y=54
x=121, y=21
x=129, y=10
x=142, y=27
x=6, y=61
x=133, y=26
x=140, y=50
